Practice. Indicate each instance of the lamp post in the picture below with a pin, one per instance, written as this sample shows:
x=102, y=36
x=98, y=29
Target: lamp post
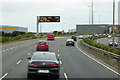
x=89, y=19
x=92, y=21
x=113, y=21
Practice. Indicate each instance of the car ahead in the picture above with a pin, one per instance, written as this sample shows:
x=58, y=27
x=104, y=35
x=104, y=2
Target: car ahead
x=43, y=64
x=109, y=36
x=74, y=38
x=42, y=45
x=111, y=43
x=70, y=42
x=50, y=37
x=80, y=37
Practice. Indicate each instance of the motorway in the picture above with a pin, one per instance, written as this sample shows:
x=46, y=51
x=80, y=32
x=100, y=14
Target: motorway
x=74, y=63
x=105, y=41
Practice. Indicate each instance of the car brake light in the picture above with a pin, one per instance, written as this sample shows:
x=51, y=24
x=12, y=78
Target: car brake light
x=32, y=63
x=53, y=64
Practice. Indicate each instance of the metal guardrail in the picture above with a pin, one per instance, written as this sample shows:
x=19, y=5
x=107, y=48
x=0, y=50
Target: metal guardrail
x=110, y=54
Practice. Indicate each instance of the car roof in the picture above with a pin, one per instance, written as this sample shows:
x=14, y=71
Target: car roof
x=44, y=55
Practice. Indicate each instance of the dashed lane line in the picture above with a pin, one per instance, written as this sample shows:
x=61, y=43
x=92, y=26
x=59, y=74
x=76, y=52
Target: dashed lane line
x=4, y=76
x=28, y=53
x=65, y=76
x=19, y=61
x=58, y=54
x=3, y=51
x=97, y=61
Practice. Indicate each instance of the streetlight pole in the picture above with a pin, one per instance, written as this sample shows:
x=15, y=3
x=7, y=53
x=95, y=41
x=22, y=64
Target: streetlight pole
x=113, y=21
x=89, y=19
x=92, y=21
x=99, y=18
x=37, y=25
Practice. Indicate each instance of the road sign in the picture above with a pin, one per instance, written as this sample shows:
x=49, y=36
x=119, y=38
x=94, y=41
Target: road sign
x=49, y=19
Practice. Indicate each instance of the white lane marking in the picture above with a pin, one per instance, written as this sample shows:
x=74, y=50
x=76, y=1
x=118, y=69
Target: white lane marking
x=3, y=51
x=7, y=49
x=4, y=76
x=58, y=54
x=19, y=61
x=97, y=61
x=28, y=53
x=16, y=46
x=66, y=76
x=0, y=52
x=60, y=62
x=11, y=48
x=58, y=50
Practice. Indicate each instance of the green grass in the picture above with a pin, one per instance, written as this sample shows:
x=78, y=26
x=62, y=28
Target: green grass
x=98, y=45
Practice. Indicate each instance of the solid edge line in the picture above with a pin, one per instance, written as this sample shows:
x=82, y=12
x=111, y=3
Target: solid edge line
x=97, y=60
x=4, y=76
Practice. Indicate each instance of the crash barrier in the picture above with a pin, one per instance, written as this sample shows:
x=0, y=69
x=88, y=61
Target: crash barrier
x=111, y=58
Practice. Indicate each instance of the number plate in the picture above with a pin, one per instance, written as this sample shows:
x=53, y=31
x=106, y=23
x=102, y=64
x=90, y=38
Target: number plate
x=43, y=71
x=42, y=45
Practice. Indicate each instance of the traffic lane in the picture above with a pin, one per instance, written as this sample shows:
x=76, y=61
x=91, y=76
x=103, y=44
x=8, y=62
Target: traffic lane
x=10, y=57
x=77, y=65
x=20, y=72
x=8, y=46
x=105, y=41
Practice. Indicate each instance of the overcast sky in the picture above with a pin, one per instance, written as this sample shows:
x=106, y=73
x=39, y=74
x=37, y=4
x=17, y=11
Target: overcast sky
x=23, y=13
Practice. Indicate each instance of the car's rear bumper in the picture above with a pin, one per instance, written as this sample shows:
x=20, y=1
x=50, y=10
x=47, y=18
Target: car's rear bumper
x=34, y=71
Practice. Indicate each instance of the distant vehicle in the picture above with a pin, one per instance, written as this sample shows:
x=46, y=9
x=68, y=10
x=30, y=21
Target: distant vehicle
x=100, y=34
x=96, y=35
x=104, y=34
x=111, y=43
x=74, y=38
x=80, y=37
x=51, y=37
x=42, y=45
x=43, y=63
x=109, y=36
x=70, y=42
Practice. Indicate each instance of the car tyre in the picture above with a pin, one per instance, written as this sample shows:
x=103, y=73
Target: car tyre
x=28, y=76
x=57, y=77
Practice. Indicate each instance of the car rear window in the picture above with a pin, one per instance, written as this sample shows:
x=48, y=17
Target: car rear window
x=42, y=42
x=43, y=57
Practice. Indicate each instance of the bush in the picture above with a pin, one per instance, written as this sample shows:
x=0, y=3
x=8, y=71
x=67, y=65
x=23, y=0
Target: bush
x=98, y=45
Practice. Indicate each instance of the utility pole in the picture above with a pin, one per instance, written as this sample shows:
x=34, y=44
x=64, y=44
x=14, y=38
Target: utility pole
x=99, y=18
x=113, y=22
x=37, y=25
x=92, y=21
x=89, y=20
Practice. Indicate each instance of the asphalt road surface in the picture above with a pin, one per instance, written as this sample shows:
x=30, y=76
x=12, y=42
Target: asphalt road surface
x=105, y=41
x=74, y=64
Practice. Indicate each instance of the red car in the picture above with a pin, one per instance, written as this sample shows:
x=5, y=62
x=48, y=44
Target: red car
x=42, y=45
x=51, y=37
